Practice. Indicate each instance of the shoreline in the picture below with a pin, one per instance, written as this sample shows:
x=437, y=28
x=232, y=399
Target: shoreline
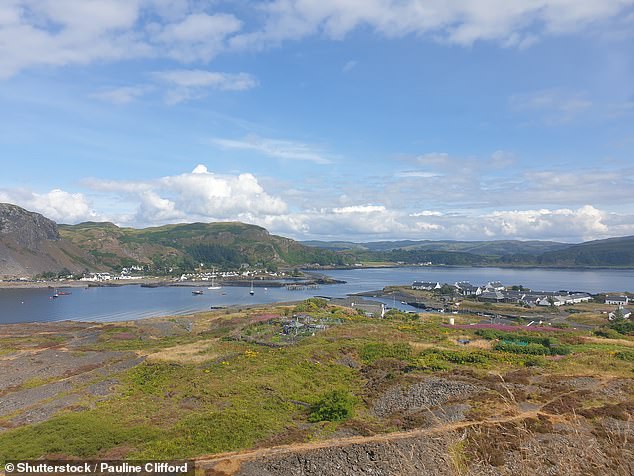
x=230, y=307
x=311, y=279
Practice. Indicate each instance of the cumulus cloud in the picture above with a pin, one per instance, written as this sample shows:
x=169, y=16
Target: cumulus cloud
x=202, y=195
x=279, y=149
x=360, y=209
x=586, y=222
x=197, y=195
x=511, y=24
x=66, y=32
x=58, y=205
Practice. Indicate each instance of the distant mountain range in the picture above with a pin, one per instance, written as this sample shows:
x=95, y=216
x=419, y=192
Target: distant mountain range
x=31, y=244
x=611, y=252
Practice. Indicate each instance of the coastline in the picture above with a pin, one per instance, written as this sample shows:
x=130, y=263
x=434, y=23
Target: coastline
x=313, y=276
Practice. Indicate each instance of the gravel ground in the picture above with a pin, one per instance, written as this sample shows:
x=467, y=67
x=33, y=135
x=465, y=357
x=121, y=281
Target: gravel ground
x=51, y=363
x=23, y=398
x=407, y=457
x=45, y=411
x=425, y=394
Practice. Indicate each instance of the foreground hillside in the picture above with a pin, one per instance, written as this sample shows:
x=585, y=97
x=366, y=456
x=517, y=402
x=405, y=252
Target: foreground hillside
x=343, y=395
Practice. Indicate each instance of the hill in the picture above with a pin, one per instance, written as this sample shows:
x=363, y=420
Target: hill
x=482, y=248
x=30, y=244
x=185, y=246
x=613, y=252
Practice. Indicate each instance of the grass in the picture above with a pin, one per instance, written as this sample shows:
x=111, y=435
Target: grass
x=207, y=392
x=79, y=434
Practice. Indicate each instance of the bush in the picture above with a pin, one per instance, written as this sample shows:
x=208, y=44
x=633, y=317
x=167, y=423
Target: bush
x=311, y=305
x=529, y=349
x=337, y=405
x=626, y=355
x=622, y=326
x=608, y=333
x=436, y=359
x=372, y=352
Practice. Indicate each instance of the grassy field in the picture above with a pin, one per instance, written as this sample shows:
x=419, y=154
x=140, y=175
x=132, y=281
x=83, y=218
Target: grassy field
x=236, y=381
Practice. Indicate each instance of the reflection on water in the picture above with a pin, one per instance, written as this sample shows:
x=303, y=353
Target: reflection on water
x=136, y=302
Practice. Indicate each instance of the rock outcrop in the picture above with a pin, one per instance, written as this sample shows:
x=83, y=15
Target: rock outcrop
x=30, y=244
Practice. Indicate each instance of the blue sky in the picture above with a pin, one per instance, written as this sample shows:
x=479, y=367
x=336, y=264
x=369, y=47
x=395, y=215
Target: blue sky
x=323, y=119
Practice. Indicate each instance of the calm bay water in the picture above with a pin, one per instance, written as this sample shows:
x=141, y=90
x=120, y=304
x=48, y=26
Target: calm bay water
x=135, y=302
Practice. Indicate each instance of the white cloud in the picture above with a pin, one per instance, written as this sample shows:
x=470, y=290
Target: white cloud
x=58, y=205
x=461, y=22
x=186, y=84
x=426, y=213
x=360, y=209
x=555, y=106
x=349, y=66
x=71, y=32
x=198, y=37
x=192, y=78
x=280, y=149
x=121, y=95
x=586, y=222
x=200, y=194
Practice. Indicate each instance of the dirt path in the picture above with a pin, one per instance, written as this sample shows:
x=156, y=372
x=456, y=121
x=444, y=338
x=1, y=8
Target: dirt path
x=228, y=464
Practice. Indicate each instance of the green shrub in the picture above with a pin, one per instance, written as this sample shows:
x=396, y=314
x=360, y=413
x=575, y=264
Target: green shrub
x=626, y=355
x=82, y=435
x=436, y=359
x=608, y=333
x=622, y=326
x=529, y=349
x=372, y=352
x=311, y=305
x=337, y=405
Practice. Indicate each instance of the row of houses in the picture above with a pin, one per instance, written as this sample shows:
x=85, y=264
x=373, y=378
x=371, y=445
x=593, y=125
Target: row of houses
x=496, y=292
x=464, y=288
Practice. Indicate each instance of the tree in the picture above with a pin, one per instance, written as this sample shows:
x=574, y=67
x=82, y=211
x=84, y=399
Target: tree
x=336, y=405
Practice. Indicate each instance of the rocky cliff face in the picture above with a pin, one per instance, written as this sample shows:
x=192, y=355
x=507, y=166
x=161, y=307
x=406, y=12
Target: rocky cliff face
x=30, y=244
x=27, y=229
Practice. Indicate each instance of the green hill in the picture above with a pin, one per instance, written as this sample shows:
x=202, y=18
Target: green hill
x=185, y=246
x=613, y=252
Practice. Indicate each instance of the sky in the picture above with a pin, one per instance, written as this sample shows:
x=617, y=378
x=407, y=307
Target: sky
x=356, y=120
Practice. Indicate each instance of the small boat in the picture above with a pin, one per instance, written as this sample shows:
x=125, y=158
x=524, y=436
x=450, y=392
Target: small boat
x=213, y=286
x=55, y=294
x=197, y=293
x=64, y=293
x=252, y=292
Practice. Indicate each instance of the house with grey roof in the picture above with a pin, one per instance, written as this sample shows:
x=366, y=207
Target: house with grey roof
x=617, y=300
x=425, y=286
x=494, y=286
x=467, y=289
x=491, y=296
